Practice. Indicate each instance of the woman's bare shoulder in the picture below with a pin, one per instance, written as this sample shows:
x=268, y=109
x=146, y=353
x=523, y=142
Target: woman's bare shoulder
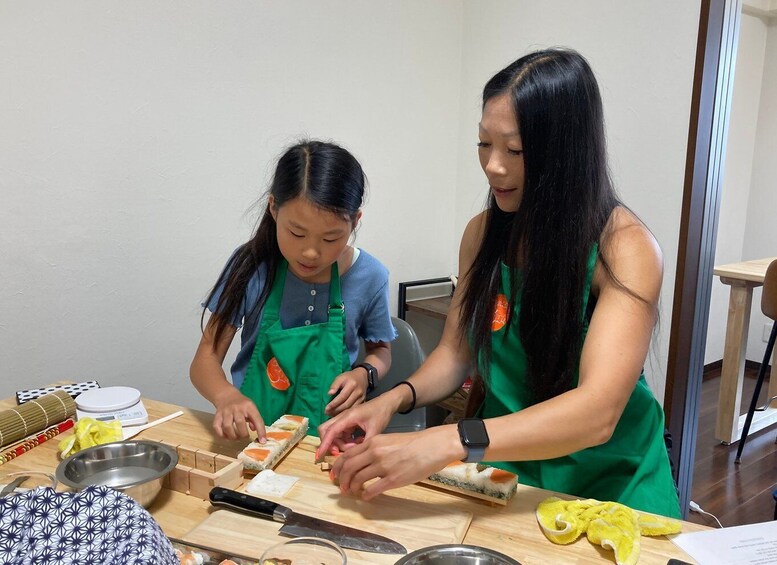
x=632, y=253
x=470, y=241
x=627, y=234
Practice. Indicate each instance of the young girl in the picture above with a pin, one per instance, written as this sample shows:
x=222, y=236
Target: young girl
x=556, y=303
x=304, y=298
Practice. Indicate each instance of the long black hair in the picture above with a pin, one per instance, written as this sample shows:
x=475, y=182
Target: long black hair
x=567, y=200
x=325, y=174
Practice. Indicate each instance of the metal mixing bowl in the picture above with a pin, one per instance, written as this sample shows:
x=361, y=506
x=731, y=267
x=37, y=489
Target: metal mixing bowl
x=456, y=555
x=135, y=468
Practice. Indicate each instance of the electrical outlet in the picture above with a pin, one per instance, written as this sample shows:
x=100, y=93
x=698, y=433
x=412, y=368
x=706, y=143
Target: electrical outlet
x=767, y=332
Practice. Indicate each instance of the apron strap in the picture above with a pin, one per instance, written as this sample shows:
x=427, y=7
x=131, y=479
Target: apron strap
x=335, y=298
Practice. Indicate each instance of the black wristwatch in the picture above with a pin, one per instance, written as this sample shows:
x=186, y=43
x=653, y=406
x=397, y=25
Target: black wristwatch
x=474, y=438
x=372, y=375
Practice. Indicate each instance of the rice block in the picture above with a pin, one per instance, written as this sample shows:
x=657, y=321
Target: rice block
x=488, y=482
x=282, y=435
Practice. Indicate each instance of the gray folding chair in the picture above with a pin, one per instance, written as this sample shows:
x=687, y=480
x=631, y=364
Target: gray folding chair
x=406, y=357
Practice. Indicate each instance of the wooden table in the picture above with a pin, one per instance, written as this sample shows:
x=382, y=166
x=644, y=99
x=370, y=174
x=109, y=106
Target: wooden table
x=512, y=529
x=742, y=278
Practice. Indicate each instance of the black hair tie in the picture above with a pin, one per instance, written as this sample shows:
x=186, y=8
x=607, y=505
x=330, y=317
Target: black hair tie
x=412, y=389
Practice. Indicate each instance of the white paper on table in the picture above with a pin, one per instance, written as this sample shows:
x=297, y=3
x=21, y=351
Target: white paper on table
x=753, y=544
x=270, y=482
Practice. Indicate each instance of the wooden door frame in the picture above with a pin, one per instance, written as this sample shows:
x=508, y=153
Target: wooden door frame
x=710, y=108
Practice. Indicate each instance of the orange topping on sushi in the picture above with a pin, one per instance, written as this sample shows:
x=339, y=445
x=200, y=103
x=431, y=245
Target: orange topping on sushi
x=500, y=476
x=298, y=419
x=279, y=436
x=257, y=453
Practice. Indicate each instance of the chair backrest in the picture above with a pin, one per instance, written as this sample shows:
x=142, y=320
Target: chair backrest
x=769, y=296
x=406, y=357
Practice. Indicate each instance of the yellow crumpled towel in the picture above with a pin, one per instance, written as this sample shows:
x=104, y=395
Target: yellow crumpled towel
x=609, y=524
x=90, y=432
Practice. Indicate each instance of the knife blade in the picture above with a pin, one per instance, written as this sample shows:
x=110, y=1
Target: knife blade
x=10, y=487
x=297, y=525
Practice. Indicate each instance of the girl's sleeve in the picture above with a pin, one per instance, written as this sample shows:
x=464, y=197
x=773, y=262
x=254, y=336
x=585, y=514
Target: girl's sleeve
x=377, y=325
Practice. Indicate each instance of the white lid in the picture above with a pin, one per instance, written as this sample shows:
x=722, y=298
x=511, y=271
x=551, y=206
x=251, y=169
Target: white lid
x=107, y=399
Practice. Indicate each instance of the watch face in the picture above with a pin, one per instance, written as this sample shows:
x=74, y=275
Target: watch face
x=472, y=432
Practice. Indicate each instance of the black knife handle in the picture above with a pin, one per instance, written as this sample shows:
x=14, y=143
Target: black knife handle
x=248, y=504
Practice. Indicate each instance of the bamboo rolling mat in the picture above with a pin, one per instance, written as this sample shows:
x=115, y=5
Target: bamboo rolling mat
x=34, y=416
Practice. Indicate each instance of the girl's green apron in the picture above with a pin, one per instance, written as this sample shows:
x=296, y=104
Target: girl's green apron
x=631, y=468
x=291, y=370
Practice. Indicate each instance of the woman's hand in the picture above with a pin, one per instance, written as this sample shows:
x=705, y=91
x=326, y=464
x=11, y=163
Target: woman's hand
x=347, y=390
x=395, y=460
x=353, y=426
x=235, y=414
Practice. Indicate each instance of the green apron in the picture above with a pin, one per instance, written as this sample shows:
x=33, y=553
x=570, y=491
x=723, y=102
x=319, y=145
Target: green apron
x=631, y=468
x=291, y=370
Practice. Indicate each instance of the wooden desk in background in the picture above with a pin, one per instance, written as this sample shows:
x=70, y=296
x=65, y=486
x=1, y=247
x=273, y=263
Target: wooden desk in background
x=511, y=529
x=434, y=307
x=742, y=278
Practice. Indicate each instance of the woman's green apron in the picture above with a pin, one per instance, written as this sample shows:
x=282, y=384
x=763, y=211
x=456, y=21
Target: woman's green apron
x=631, y=468
x=291, y=370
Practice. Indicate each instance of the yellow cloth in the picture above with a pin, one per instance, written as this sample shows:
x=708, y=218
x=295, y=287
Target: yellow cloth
x=89, y=432
x=609, y=524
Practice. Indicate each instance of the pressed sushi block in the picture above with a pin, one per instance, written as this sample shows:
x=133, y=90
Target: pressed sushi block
x=282, y=435
x=198, y=471
x=477, y=480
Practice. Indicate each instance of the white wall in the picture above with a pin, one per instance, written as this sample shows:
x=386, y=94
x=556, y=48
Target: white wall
x=746, y=229
x=133, y=137
x=761, y=228
x=738, y=168
x=643, y=56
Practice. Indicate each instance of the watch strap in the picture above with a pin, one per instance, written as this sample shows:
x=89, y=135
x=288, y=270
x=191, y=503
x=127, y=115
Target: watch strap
x=372, y=374
x=474, y=454
x=475, y=446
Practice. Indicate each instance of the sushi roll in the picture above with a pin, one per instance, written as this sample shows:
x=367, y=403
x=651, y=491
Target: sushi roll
x=477, y=479
x=282, y=435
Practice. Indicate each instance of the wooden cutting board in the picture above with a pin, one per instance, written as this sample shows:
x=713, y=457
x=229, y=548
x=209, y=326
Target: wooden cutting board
x=413, y=524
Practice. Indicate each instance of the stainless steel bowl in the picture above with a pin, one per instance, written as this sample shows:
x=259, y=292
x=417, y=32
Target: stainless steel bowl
x=456, y=555
x=135, y=468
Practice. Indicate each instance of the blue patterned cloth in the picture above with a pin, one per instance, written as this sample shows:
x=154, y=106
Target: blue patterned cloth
x=95, y=526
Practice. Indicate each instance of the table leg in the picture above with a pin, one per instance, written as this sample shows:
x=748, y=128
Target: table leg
x=733, y=370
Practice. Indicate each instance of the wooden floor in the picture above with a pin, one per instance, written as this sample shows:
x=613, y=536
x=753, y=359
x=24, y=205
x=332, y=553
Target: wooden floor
x=736, y=494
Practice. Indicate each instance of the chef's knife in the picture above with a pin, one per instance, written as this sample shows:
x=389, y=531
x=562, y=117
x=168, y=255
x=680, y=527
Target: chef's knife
x=296, y=525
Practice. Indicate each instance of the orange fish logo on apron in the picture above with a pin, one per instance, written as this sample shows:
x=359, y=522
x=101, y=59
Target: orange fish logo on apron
x=500, y=313
x=278, y=378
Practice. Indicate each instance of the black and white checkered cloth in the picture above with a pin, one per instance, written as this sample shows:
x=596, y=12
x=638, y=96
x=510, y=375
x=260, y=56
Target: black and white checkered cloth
x=97, y=526
x=73, y=390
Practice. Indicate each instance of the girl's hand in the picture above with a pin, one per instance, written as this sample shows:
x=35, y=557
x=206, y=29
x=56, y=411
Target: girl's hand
x=395, y=460
x=353, y=426
x=235, y=414
x=349, y=389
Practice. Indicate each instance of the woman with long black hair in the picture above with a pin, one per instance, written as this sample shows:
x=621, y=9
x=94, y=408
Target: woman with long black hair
x=555, y=308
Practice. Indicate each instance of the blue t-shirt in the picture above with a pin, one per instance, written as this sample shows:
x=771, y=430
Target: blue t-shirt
x=365, y=292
